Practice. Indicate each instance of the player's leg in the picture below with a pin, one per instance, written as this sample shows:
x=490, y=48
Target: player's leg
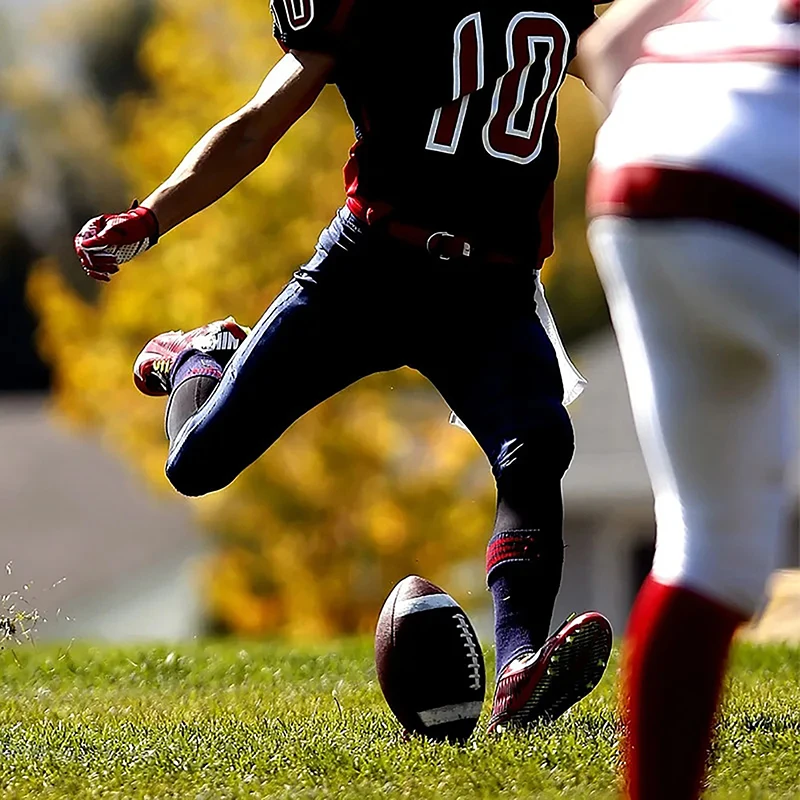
x=707, y=323
x=192, y=362
x=494, y=365
x=318, y=336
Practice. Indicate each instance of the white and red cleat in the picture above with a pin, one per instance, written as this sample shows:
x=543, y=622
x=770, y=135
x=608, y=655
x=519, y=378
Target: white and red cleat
x=153, y=365
x=544, y=684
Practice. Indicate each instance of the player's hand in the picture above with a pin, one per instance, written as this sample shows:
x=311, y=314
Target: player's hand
x=109, y=240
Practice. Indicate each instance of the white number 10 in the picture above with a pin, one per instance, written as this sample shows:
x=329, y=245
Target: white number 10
x=504, y=136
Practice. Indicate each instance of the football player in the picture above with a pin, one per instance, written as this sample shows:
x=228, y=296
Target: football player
x=695, y=199
x=431, y=263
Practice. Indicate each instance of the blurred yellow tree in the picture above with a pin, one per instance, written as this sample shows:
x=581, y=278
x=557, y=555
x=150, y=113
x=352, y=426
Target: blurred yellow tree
x=369, y=487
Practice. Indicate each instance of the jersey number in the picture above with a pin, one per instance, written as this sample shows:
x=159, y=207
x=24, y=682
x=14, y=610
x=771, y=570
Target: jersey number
x=299, y=13
x=509, y=133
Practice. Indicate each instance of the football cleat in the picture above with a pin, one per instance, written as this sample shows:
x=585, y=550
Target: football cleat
x=544, y=684
x=220, y=339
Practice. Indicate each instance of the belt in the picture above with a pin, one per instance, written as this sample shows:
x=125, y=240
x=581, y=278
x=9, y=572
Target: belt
x=448, y=246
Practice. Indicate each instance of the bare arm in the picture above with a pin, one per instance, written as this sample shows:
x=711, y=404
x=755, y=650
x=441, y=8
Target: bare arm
x=239, y=144
x=609, y=48
x=576, y=70
x=575, y=67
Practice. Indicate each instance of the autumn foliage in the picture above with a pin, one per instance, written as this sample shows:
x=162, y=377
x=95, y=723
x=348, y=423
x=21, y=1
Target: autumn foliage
x=365, y=489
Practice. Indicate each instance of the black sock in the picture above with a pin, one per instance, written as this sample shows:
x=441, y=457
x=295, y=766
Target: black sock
x=524, y=593
x=524, y=561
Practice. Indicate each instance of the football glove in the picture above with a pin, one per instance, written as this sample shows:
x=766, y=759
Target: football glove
x=107, y=241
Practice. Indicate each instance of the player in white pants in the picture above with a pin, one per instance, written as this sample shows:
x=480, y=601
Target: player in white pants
x=707, y=321
x=694, y=198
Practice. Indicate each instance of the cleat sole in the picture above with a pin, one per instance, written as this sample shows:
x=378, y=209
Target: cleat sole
x=574, y=669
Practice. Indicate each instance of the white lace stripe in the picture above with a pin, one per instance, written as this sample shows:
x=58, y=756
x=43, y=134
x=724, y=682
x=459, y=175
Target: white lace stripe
x=454, y=713
x=426, y=603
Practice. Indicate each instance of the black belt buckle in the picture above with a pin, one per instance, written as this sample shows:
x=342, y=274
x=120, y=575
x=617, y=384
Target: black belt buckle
x=434, y=243
x=434, y=240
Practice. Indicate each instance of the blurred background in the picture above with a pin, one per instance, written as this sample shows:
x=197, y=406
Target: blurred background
x=99, y=100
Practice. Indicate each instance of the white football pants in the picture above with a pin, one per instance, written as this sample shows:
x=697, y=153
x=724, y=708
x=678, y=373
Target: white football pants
x=707, y=322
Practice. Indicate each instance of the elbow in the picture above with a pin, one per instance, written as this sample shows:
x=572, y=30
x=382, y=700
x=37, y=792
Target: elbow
x=603, y=62
x=257, y=135
x=598, y=47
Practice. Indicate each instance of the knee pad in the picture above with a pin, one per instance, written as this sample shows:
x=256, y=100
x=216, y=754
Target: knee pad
x=543, y=451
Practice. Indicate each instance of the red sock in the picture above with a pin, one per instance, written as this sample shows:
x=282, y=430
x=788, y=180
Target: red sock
x=676, y=648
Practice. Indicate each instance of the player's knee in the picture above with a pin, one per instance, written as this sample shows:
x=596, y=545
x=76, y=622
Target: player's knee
x=185, y=480
x=542, y=452
x=192, y=474
x=528, y=474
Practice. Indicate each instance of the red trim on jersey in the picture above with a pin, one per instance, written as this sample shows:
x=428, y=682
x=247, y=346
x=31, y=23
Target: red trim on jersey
x=653, y=192
x=358, y=207
x=365, y=210
x=784, y=56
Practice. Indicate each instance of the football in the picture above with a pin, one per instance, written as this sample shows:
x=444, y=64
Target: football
x=429, y=661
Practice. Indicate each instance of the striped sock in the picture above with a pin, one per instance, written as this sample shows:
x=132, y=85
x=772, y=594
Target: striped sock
x=524, y=574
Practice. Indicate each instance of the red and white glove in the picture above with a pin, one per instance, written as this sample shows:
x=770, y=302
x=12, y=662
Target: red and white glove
x=109, y=240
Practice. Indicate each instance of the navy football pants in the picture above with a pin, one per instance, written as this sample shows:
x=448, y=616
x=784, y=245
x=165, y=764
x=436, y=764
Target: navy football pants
x=365, y=304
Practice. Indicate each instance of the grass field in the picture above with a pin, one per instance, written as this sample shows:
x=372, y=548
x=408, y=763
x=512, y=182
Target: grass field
x=215, y=721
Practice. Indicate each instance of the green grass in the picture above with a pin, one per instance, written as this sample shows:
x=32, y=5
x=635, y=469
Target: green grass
x=216, y=721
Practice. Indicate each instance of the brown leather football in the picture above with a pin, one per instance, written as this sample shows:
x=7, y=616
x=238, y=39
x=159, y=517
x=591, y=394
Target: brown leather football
x=429, y=661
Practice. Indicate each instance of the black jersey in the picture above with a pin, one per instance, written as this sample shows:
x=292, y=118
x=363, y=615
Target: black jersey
x=454, y=105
